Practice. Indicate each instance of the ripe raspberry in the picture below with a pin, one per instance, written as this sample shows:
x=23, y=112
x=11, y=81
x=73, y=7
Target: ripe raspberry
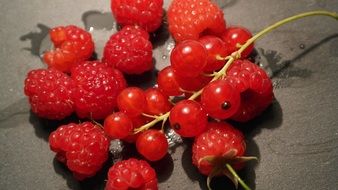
x=97, y=88
x=82, y=147
x=50, y=93
x=219, y=151
x=129, y=50
x=190, y=19
x=255, y=87
x=145, y=13
x=72, y=45
x=217, y=141
x=131, y=174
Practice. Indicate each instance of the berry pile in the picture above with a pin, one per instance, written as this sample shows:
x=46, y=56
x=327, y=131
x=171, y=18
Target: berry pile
x=209, y=82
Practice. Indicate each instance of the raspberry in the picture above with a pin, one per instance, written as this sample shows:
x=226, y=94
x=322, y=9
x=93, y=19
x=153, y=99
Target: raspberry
x=72, y=45
x=131, y=174
x=97, y=88
x=255, y=87
x=82, y=147
x=217, y=141
x=129, y=50
x=190, y=19
x=50, y=93
x=145, y=13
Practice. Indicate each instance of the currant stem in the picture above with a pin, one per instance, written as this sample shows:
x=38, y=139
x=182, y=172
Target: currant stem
x=284, y=21
x=237, y=54
x=152, y=123
x=233, y=172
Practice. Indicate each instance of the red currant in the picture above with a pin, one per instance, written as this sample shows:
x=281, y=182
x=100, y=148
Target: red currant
x=188, y=118
x=167, y=83
x=235, y=36
x=220, y=99
x=192, y=83
x=118, y=125
x=132, y=101
x=152, y=144
x=137, y=121
x=156, y=102
x=188, y=58
x=215, y=47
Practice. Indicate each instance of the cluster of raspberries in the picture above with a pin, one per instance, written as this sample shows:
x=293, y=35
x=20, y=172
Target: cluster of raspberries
x=75, y=83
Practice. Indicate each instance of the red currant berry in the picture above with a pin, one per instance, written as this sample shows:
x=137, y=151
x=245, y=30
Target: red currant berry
x=188, y=58
x=137, y=121
x=156, y=102
x=220, y=99
x=188, y=118
x=152, y=144
x=132, y=101
x=235, y=36
x=118, y=125
x=192, y=83
x=167, y=83
x=215, y=47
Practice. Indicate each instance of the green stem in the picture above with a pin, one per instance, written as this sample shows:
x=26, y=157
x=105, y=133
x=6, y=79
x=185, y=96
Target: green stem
x=237, y=54
x=233, y=172
x=284, y=21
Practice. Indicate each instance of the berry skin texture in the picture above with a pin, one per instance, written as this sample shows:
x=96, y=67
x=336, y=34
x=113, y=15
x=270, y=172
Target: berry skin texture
x=50, y=93
x=97, y=89
x=191, y=19
x=118, y=125
x=129, y=51
x=72, y=46
x=188, y=118
x=144, y=13
x=237, y=35
x=220, y=99
x=131, y=174
x=156, y=102
x=189, y=55
x=132, y=101
x=167, y=83
x=217, y=141
x=82, y=147
x=152, y=144
x=255, y=87
x=215, y=47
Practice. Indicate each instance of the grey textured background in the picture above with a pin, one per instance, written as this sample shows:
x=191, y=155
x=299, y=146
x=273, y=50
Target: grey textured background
x=296, y=139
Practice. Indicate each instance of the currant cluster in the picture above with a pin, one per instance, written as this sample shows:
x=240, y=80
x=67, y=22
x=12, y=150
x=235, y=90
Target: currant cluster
x=209, y=81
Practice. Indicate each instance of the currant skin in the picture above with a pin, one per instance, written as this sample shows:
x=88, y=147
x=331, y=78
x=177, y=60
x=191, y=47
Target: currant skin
x=132, y=101
x=156, y=102
x=188, y=118
x=167, y=82
x=152, y=144
x=118, y=125
x=189, y=55
x=220, y=99
x=234, y=37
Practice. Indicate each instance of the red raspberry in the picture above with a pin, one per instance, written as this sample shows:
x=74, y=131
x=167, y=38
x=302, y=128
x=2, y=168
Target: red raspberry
x=129, y=50
x=97, y=88
x=219, y=151
x=217, y=141
x=72, y=45
x=255, y=87
x=50, y=93
x=131, y=174
x=190, y=19
x=82, y=147
x=145, y=13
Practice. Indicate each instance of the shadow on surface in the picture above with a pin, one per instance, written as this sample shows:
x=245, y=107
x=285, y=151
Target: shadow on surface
x=96, y=182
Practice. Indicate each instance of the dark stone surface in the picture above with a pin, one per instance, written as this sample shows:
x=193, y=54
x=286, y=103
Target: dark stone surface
x=296, y=139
